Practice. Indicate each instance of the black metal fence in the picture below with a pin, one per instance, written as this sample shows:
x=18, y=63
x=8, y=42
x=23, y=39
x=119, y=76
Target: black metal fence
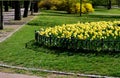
x=95, y=45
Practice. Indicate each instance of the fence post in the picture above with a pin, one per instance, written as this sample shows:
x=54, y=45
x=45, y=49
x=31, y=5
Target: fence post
x=36, y=36
x=89, y=44
x=114, y=49
x=50, y=40
x=102, y=44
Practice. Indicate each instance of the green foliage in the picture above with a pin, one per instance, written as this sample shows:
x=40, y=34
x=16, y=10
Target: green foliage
x=45, y=4
x=103, y=2
x=99, y=2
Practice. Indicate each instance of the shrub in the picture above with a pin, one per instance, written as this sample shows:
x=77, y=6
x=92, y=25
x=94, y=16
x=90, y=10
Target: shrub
x=88, y=7
x=53, y=8
x=71, y=6
x=45, y=4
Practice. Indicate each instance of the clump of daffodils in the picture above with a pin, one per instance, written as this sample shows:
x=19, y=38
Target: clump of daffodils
x=85, y=31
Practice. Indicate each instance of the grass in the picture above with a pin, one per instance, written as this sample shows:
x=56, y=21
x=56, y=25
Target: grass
x=58, y=18
x=103, y=11
x=13, y=51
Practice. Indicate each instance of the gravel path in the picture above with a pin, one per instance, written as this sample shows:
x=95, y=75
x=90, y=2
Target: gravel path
x=10, y=25
x=8, y=75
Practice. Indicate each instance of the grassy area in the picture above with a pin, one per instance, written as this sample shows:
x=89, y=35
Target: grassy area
x=52, y=18
x=104, y=11
x=13, y=51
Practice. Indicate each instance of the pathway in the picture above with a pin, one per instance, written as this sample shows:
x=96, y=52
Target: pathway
x=8, y=75
x=11, y=26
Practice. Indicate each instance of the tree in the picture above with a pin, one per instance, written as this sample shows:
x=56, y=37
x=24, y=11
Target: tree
x=99, y=2
x=68, y=6
x=36, y=6
x=5, y=3
x=118, y=3
x=11, y=4
x=17, y=10
x=109, y=4
x=80, y=7
x=26, y=6
x=31, y=7
x=1, y=15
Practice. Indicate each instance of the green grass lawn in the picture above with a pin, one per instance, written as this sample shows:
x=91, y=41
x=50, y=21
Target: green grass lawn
x=52, y=18
x=13, y=51
x=103, y=11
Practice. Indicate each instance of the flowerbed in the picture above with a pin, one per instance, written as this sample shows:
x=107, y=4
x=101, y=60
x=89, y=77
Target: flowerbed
x=92, y=36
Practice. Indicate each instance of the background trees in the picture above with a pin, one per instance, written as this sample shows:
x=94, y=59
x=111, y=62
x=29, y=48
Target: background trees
x=106, y=3
x=16, y=4
x=6, y=3
x=118, y=2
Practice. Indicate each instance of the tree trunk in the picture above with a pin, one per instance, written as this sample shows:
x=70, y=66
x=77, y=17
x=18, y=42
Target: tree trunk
x=68, y=7
x=12, y=4
x=80, y=7
x=109, y=4
x=26, y=6
x=118, y=2
x=31, y=7
x=6, y=6
x=1, y=15
x=36, y=6
x=17, y=10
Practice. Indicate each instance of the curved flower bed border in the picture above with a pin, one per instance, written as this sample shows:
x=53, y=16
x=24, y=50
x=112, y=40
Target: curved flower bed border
x=76, y=44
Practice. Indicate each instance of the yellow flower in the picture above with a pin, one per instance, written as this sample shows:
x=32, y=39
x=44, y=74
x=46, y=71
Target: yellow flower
x=92, y=30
